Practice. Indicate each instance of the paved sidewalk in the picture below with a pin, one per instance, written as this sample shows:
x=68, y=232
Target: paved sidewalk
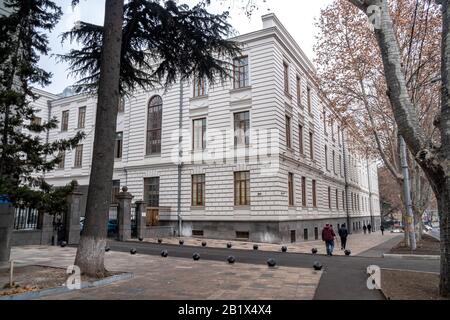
x=180, y=279
x=357, y=243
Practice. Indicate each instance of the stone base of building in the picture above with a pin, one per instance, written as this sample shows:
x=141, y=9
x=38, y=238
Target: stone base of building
x=278, y=232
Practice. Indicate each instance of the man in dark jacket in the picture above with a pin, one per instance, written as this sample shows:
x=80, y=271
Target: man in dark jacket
x=328, y=236
x=369, y=228
x=382, y=230
x=365, y=229
x=343, y=234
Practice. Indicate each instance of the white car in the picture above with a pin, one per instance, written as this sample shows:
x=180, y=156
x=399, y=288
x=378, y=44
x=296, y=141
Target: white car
x=427, y=228
x=397, y=230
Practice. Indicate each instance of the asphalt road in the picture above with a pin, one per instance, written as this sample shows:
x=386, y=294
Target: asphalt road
x=344, y=278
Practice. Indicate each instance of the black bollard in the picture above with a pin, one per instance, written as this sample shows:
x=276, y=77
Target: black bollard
x=231, y=259
x=63, y=244
x=229, y=245
x=159, y=241
x=204, y=244
x=314, y=250
x=283, y=249
x=317, y=266
x=133, y=251
x=196, y=256
x=347, y=252
x=164, y=253
x=255, y=247
x=271, y=263
x=107, y=249
x=181, y=242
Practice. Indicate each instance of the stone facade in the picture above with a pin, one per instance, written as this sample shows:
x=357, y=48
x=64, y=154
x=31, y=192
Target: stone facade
x=288, y=117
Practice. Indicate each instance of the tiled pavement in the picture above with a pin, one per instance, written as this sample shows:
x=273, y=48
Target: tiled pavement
x=357, y=243
x=176, y=278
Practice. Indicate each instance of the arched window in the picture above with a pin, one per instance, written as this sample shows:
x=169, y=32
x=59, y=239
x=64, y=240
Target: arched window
x=154, y=123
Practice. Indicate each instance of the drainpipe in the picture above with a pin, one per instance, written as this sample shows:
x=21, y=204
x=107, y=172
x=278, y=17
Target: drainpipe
x=180, y=156
x=349, y=229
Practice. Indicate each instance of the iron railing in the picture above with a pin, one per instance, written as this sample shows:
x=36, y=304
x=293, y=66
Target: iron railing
x=26, y=219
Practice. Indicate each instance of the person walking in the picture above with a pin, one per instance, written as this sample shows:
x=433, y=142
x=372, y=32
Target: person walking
x=369, y=228
x=328, y=236
x=343, y=234
x=365, y=229
x=382, y=230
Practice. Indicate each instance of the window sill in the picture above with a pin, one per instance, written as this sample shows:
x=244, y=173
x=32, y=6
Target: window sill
x=150, y=156
x=246, y=207
x=199, y=98
x=198, y=208
x=236, y=90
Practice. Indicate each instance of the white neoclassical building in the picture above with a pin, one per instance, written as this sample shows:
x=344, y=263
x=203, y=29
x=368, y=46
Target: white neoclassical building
x=261, y=157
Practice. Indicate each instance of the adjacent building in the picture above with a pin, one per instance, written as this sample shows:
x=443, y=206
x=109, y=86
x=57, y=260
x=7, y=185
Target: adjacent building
x=261, y=157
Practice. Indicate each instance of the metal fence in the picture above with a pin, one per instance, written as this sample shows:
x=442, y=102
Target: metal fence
x=26, y=219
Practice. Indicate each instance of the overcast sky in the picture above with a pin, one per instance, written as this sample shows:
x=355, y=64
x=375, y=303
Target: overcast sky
x=297, y=16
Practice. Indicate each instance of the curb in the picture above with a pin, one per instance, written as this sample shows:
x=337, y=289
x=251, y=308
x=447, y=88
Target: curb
x=58, y=290
x=411, y=256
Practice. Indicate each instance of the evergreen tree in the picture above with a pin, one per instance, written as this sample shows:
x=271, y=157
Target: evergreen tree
x=24, y=156
x=161, y=42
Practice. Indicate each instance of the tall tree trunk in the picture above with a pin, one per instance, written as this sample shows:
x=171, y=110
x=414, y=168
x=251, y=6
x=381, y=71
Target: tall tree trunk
x=91, y=250
x=442, y=183
x=434, y=160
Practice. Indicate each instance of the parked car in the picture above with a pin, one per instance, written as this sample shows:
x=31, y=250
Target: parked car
x=397, y=230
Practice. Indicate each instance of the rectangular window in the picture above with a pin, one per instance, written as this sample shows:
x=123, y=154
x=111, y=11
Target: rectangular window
x=326, y=157
x=314, y=195
x=118, y=145
x=199, y=87
x=81, y=117
x=316, y=233
x=299, y=91
x=154, y=126
x=242, y=129
x=304, y=191
x=286, y=77
x=288, y=132
x=334, y=162
x=115, y=190
x=121, y=105
x=240, y=72
x=242, y=188
x=300, y=139
x=343, y=200
x=62, y=156
x=199, y=134
x=78, y=156
x=339, y=134
x=337, y=199
x=291, y=188
x=36, y=121
x=308, y=95
x=151, y=192
x=198, y=190
x=305, y=234
x=293, y=236
x=65, y=121
x=329, y=198
x=311, y=145
x=332, y=129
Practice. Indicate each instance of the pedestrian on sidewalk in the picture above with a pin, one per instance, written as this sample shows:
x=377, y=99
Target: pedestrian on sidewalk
x=369, y=228
x=365, y=229
x=343, y=234
x=328, y=236
x=382, y=230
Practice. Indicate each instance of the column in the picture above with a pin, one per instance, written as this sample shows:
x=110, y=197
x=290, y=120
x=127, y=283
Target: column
x=72, y=218
x=140, y=218
x=124, y=215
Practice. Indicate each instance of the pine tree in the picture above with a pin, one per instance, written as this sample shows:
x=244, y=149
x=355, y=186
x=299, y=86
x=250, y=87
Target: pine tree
x=161, y=42
x=23, y=154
